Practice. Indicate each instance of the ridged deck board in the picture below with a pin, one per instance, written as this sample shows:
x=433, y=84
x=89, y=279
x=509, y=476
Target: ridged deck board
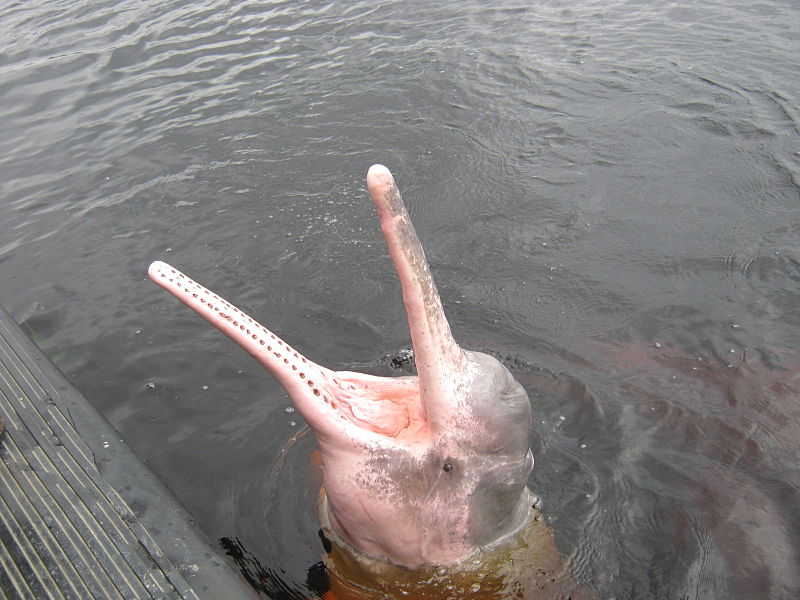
x=65, y=531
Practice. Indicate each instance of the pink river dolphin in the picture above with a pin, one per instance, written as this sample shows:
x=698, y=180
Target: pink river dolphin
x=420, y=474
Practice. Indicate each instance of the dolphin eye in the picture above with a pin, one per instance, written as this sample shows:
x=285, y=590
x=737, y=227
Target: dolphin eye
x=448, y=466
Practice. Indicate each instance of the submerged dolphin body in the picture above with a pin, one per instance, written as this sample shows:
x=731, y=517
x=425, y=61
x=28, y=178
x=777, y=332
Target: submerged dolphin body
x=418, y=471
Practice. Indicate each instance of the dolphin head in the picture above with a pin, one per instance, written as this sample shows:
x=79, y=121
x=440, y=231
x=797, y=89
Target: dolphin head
x=416, y=470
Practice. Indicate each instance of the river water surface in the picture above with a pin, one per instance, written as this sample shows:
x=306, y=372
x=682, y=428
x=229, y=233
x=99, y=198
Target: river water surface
x=608, y=193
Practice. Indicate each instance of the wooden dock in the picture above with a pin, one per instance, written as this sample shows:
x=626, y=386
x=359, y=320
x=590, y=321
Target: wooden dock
x=80, y=515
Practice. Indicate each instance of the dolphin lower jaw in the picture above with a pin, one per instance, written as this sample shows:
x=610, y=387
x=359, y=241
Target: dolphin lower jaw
x=332, y=402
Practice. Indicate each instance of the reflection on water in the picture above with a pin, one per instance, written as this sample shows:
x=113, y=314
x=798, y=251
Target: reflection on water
x=607, y=193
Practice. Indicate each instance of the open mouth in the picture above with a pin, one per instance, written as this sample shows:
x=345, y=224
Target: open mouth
x=387, y=406
x=400, y=408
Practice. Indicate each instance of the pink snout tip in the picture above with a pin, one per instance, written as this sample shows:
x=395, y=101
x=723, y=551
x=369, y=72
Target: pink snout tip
x=156, y=269
x=378, y=170
x=379, y=176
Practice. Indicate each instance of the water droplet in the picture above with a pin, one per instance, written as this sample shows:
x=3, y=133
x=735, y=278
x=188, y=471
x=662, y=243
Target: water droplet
x=583, y=445
x=475, y=587
x=205, y=387
x=562, y=418
x=657, y=344
x=289, y=409
x=137, y=331
x=151, y=385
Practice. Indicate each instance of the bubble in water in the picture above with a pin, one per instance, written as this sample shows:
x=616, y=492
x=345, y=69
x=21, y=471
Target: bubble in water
x=475, y=587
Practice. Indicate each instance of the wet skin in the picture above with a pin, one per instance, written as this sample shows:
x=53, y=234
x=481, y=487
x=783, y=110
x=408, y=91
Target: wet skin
x=418, y=471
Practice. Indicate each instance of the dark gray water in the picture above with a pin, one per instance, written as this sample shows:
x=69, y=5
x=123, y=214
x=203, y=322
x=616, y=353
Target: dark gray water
x=608, y=193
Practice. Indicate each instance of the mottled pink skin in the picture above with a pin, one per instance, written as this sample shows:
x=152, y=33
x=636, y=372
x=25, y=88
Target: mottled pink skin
x=417, y=470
